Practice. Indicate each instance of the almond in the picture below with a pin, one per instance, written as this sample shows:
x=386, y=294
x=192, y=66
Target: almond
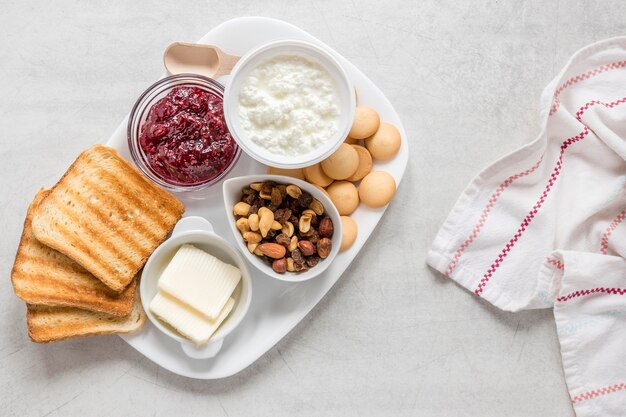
x=272, y=250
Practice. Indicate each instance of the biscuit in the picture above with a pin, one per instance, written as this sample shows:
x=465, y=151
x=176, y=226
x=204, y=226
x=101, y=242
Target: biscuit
x=341, y=164
x=349, y=232
x=377, y=189
x=344, y=196
x=366, y=122
x=385, y=143
x=365, y=164
x=315, y=175
x=293, y=173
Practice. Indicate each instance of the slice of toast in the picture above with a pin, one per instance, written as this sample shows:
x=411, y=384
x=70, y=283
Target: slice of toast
x=106, y=216
x=41, y=275
x=50, y=324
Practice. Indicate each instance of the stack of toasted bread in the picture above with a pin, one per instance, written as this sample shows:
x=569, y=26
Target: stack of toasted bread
x=84, y=242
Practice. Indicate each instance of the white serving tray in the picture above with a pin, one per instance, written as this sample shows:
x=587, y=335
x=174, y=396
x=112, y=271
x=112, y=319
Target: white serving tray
x=276, y=306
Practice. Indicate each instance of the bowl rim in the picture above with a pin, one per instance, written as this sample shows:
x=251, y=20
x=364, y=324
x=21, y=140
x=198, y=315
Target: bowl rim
x=311, y=50
x=253, y=259
x=171, y=241
x=133, y=140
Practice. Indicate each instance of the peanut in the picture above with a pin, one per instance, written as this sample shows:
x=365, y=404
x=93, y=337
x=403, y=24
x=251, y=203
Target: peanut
x=294, y=244
x=252, y=247
x=241, y=209
x=253, y=222
x=252, y=237
x=242, y=225
x=288, y=229
x=266, y=220
x=304, y=225
x=317, y=207
x=294, y=191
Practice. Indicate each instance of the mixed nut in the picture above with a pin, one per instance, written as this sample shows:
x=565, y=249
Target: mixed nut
x=284, y=225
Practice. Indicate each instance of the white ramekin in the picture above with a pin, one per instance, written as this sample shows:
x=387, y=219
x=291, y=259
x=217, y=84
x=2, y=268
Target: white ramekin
x=197, y=231
x=251, y=60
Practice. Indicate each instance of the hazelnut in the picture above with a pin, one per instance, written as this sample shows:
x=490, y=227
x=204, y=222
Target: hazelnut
x=306, y=247
x=324, y=246
x=279, y=265
x=326, y=227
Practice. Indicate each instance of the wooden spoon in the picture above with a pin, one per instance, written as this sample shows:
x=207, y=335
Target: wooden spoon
x=195, y=58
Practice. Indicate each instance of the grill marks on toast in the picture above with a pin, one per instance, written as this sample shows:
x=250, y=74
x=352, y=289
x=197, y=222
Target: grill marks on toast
x=105, y=215
x=86, y=241
x=100, y=225
x=44, y=276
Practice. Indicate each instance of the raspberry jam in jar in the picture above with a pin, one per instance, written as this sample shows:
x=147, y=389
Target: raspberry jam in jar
x=177, y=134
x=184, y=137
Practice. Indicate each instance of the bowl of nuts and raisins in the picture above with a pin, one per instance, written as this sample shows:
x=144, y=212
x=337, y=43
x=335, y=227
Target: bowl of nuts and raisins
x=287, y=228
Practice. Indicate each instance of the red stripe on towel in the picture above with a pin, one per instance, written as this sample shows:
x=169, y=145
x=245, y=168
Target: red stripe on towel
x=485, y=214
x=557, y=264
x=598, y=392
x=600, y=290
x=574, y=80
x=604, y=243
x=553, y=177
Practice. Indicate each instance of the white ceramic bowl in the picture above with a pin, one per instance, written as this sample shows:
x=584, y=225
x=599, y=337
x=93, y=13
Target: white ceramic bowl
x=345, y=91
x=232, y=194
x=198, y=232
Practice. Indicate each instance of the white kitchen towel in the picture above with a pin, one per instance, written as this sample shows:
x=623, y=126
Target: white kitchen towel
x=545, y=222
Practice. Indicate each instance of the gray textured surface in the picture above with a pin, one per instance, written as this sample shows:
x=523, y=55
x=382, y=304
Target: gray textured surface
x=392, y=337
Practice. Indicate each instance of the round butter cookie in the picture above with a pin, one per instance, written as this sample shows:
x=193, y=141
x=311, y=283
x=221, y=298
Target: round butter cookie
x=366, y=122
x=349, y=232
x=385, y=143
x=365, y=164
x=344, y=196
x=377, y=189
x=341, y=164
x=315, y=175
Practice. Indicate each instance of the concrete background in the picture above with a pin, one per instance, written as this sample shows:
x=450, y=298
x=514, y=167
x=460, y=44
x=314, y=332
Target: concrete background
x=465, y=77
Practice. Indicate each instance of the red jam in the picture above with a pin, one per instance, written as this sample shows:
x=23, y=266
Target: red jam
x=185, y=138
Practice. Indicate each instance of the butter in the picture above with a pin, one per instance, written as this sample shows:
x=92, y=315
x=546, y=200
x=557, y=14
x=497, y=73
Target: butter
x=199, y=281
x=187, y=321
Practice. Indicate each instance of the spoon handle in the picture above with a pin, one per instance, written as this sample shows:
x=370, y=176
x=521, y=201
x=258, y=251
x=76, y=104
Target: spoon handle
x=226, y=62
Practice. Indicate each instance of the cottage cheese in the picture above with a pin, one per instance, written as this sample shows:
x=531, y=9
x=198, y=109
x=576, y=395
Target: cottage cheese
x=289, y=105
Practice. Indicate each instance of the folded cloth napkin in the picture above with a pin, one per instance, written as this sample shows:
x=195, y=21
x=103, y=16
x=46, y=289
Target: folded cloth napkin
x=545, y=226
